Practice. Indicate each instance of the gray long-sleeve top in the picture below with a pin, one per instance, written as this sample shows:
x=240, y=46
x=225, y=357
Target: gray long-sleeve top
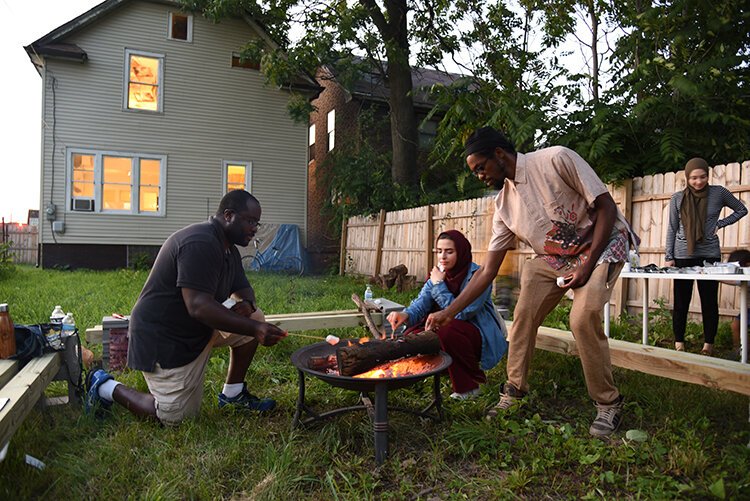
x=718, y=198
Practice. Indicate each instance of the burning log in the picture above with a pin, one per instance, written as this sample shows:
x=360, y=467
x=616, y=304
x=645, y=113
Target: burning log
x=359, y=358
x=322, y=363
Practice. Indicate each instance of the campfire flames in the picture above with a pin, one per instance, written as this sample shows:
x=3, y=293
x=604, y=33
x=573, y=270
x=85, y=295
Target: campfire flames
x=403, y=367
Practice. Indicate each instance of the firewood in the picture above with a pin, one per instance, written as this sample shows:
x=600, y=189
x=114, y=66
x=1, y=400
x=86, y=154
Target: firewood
x=359, y=358
x=376, y=333
x=322, y=363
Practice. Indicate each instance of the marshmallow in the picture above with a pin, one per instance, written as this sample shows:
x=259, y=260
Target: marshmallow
x=332, y=340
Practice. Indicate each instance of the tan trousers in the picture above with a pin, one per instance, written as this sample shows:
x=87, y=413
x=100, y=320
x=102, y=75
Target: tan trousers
x=539, y=296
x=179, y=391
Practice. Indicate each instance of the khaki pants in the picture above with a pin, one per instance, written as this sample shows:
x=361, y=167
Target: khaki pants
x=179, y=391
x=539, y=296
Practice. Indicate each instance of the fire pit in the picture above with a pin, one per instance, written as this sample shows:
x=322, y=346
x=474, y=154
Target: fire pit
x=378, y=411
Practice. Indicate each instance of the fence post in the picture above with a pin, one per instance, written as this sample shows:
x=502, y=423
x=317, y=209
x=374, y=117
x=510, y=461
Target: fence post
x=379, y=245
x=344, y=235
x=428, y=238
x=620, y=294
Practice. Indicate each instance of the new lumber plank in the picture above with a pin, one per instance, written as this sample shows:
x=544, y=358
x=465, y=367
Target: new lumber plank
x=303, y=322
x=712, y=372
x=8, y=369
x=290, y=321
x=24, y=390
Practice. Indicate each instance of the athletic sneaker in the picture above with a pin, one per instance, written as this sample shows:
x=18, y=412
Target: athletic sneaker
x=93, y=401
x=469, y=395
x=608, y=418
x=509, y=397
x=247, y=401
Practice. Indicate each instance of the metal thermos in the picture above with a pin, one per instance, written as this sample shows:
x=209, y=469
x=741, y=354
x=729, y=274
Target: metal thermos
x=7, y=333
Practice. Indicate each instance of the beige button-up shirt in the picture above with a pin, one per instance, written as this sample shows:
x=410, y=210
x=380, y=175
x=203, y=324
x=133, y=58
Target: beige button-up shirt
x=549, y=205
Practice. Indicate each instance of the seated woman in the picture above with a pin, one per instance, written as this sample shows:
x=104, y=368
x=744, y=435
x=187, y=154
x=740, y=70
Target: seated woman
x=475, y=339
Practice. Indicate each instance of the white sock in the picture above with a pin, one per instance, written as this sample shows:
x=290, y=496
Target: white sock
x=232, y=390
x=107, y=388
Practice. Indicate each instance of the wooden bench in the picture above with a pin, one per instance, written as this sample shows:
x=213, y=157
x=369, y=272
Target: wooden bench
x=25, y=387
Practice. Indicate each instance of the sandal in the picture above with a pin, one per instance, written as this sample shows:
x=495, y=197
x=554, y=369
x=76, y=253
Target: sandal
x=708, y=350
x=679, y=346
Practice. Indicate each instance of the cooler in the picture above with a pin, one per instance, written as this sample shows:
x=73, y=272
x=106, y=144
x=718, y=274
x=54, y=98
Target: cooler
x=114, y=343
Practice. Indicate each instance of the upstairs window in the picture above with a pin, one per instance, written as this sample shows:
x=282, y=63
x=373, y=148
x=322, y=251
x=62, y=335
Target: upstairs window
x=180, y=26
x=238, y=62
x=331, y=129
x=311, y=142
x=237, y=176
x=143, y=74
x=427, y=134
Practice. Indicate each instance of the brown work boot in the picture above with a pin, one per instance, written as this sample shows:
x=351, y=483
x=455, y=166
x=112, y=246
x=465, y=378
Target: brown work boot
x=509, y=397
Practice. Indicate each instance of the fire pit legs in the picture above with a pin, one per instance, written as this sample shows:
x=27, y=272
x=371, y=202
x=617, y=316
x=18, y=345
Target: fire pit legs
x=378, y=415
x=380, y=423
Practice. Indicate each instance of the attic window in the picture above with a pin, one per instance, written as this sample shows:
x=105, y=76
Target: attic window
x=143, y=78
x=238, y=62
x=180, y=26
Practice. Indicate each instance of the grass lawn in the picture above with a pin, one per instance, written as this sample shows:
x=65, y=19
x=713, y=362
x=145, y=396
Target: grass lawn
x=695, y=443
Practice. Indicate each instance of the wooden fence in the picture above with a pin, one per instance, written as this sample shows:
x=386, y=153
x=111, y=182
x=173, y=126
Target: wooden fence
x=23, y=240
x=372, y=245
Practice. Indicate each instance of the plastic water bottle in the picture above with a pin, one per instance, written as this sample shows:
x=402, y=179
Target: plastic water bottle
x=68, y=325
x=57, y=315
x=368, y=293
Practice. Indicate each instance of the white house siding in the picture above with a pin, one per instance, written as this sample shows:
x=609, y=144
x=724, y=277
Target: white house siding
x=211, y=113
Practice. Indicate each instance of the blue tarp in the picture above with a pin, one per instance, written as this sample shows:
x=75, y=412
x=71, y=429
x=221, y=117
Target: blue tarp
x=284, y=252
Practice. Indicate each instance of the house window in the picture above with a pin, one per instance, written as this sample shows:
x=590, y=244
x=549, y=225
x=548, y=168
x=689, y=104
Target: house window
x=311, y=142
x=427, y=134
x=116, y=182
x=180, y=26
x=237, y=176
x=143, y=78
x=238, y=62
x=331, y=129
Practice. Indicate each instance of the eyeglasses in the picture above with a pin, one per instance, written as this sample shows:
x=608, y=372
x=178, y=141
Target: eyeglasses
x=479, y=168
x=254, y=223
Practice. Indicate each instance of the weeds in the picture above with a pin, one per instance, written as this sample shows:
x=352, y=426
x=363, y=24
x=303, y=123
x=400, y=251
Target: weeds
x=694, y=446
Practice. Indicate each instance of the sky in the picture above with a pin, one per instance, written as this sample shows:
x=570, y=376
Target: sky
x=22, y=22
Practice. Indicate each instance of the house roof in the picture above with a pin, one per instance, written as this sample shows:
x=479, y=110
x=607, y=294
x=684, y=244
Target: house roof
x=372, y=86
x=52, y=44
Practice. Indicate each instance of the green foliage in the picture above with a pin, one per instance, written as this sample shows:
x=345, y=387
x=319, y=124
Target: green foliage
x=7, y=266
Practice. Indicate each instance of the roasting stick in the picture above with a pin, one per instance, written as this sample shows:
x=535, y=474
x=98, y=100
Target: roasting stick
x=297, y=334
x=332, y=340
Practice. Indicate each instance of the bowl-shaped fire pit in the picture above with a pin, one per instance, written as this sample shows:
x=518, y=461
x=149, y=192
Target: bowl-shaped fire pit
x=380, y=386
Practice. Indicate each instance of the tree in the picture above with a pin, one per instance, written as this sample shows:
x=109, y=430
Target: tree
x=680, y=89
x=384, y=35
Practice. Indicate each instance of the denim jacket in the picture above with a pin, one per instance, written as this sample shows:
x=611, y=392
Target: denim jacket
x=481, y=313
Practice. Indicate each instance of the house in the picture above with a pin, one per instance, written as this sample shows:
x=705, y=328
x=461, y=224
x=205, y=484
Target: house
x=149, y=118
x=336, y=121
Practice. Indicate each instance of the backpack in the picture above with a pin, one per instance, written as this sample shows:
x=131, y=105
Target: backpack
x=30, y=342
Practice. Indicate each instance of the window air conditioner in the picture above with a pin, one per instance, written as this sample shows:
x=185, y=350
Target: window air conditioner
x=83, y=204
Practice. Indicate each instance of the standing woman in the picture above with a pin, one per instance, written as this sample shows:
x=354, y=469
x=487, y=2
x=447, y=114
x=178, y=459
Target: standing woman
x=475, y=339
x=691, y=240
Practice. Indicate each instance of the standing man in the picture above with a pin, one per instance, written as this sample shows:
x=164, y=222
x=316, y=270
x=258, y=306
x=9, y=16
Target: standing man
x=179, y=317
x=552, y=200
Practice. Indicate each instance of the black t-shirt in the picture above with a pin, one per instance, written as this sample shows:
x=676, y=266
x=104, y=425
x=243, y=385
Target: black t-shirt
x=161, y=330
